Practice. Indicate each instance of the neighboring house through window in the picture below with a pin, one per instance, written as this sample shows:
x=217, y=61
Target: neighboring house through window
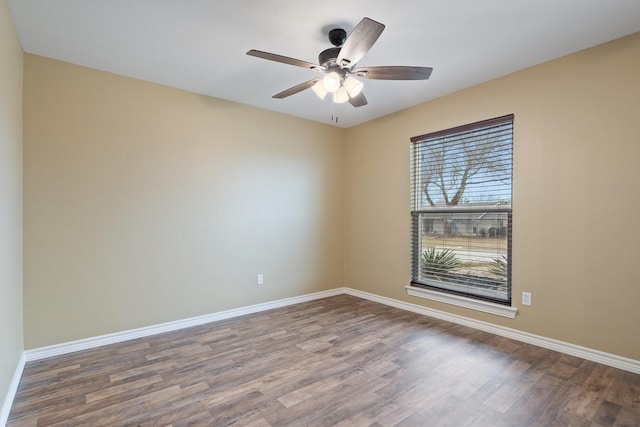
x=461, y=210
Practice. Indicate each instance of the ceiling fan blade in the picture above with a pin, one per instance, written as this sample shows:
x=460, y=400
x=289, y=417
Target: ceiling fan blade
x=359, y=100
x=363, y=36
x=284, y=59
x=297, y=88
x=394, y=73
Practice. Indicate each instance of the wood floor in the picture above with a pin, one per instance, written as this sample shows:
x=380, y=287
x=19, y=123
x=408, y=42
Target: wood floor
x=340, y=361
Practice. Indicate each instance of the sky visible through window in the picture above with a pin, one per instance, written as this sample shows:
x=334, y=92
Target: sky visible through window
x=467, y=168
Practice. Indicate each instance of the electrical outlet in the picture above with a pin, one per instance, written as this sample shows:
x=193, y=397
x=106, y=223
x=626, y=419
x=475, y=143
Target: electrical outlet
x=526, y=298
x=260, y=279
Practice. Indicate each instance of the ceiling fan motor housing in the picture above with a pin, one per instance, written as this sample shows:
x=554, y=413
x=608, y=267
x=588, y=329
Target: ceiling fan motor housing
x=328, y=57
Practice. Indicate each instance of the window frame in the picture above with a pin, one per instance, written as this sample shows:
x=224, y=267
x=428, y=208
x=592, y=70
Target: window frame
x=417, y=287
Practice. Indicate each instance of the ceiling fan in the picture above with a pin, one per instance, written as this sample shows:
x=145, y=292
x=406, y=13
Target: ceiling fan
x=339, y=62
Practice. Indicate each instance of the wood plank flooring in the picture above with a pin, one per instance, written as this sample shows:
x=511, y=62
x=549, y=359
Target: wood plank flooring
x=339, y=361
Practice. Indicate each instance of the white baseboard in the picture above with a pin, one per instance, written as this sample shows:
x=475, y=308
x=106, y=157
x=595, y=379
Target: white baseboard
x=11, y=392
x=93, y=342
x=608, y=359
x=597, y=356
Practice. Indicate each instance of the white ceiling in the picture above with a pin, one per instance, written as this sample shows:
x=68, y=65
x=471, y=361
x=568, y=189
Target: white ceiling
x=200, y=45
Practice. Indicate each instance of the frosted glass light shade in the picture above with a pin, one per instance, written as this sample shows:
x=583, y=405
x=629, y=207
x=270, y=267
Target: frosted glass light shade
x=319, y=89
x=353, y=86
x=340, y=96
x=331, y=82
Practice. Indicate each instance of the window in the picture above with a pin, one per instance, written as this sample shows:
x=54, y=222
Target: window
x=461, y=212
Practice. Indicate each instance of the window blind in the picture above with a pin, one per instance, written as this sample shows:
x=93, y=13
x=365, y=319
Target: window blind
x=461, y=209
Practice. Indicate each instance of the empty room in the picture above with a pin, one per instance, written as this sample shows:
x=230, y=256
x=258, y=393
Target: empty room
x=315, y=214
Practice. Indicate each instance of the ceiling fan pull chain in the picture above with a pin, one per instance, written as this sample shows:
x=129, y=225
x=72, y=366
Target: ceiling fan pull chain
x=334, y=116
x=333, y=106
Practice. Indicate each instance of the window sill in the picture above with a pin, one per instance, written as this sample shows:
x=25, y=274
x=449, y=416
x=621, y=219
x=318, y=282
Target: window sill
x=460, y=301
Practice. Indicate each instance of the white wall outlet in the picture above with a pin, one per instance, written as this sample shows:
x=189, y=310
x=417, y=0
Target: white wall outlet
x=260, y=279
x=526, y=298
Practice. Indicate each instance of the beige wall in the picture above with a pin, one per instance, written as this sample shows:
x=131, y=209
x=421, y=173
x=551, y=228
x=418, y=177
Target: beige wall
x=576, y=195
x=146, y=204
x=10, y=200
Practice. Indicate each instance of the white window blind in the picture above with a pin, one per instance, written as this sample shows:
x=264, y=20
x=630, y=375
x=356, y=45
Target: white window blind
x=461, y=209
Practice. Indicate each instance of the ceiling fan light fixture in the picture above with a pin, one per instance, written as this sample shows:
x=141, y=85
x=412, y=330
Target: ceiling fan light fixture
x=331, y=82
x=340, y=96
x=319, y=89
x=353, y=86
